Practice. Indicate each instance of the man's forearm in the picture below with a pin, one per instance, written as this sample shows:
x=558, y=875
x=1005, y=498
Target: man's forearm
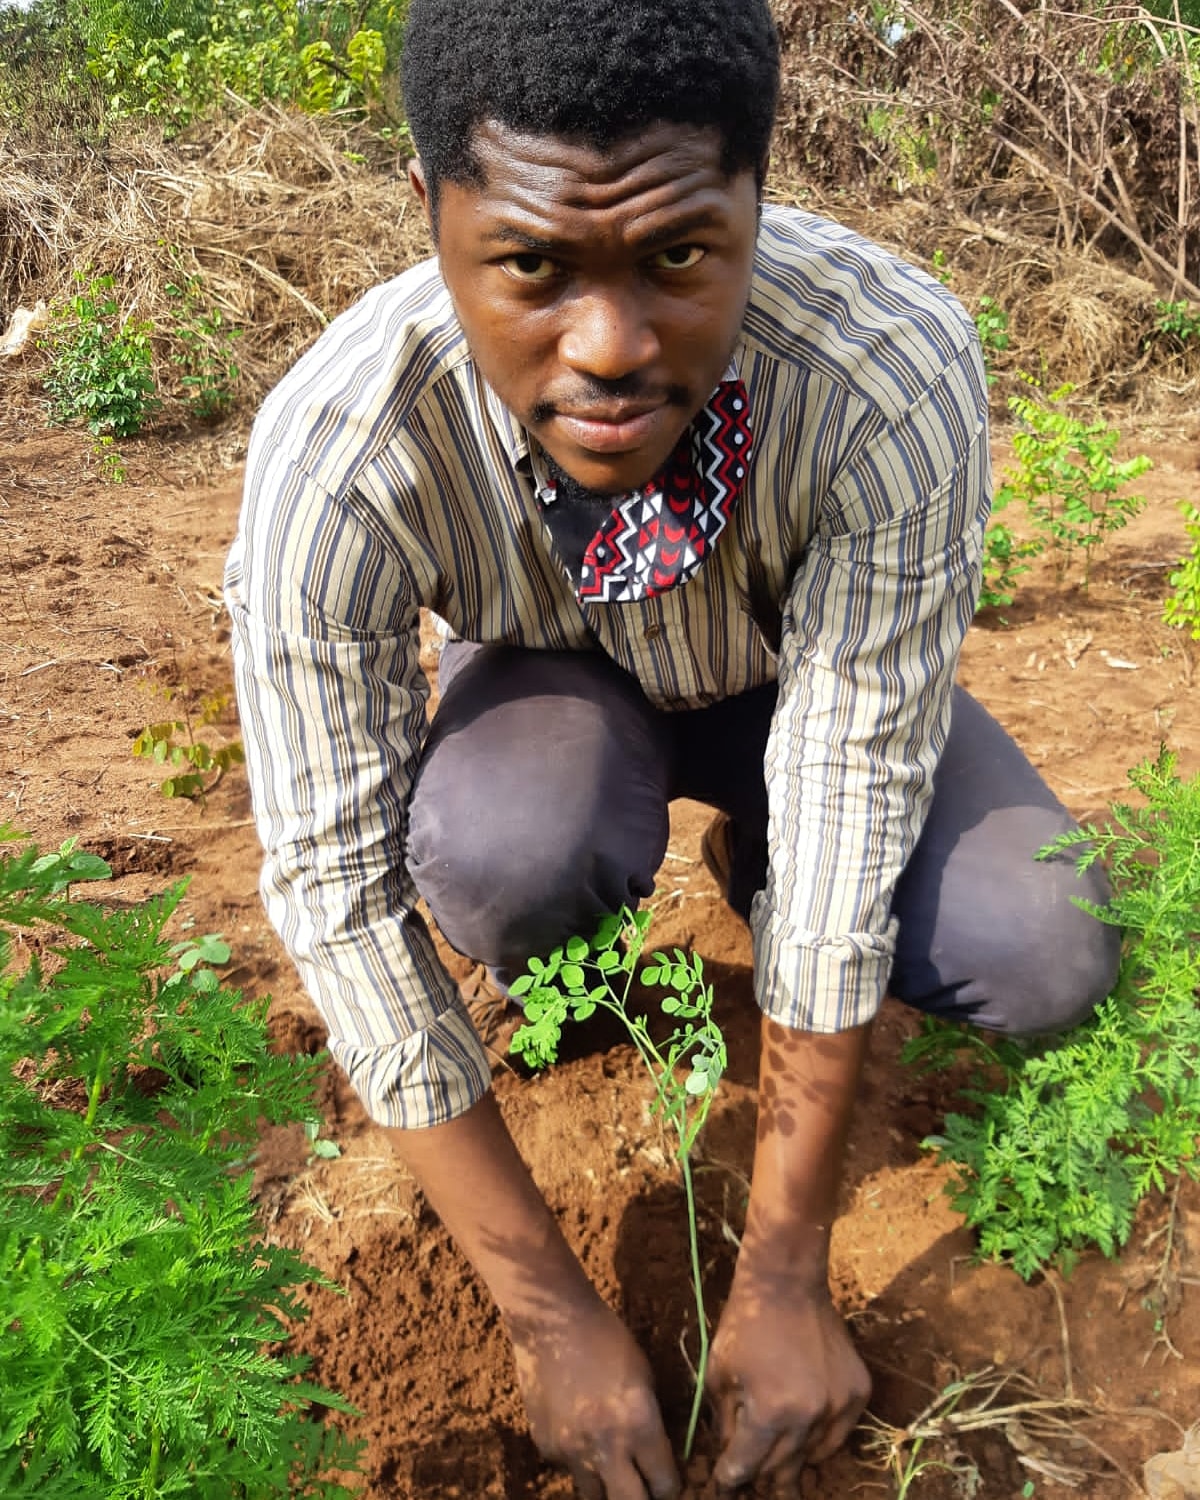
x=808, y=1083
x=476, y=1181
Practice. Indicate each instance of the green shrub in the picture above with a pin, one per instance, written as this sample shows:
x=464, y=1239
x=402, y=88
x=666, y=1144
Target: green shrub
x=176, y=60
x=142, y=1313
x=1067, y=1135
x=101, y=366
x=203, y=342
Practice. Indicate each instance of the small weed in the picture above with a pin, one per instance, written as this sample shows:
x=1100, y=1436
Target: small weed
x=1178, y=320
x=1182, y=609
x=584, y=976
x=991, y=321
x=208, y=373
x=112, y=465
x=1005, y=558
x=1069, y=1134
x=1067, y=477
x=101, y=369
x=173, y=742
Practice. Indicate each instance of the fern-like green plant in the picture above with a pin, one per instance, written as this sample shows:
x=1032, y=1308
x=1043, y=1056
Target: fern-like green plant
x=143, y=1317
x=1067, y=1135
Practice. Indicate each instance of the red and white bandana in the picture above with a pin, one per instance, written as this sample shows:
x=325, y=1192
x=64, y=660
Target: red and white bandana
x=658, y=536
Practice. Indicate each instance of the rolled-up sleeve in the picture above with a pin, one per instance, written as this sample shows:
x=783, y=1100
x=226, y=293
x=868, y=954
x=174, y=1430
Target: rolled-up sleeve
x=872, y=630
x=332, y=699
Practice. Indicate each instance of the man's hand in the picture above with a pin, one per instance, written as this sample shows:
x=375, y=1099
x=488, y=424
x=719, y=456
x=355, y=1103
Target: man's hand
x=787, y=1384
x=591, y=1404
x=587, y=1386
x=785, y=1381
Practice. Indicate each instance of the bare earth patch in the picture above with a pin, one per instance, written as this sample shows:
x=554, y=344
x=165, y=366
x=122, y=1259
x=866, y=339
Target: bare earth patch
x=111, y=601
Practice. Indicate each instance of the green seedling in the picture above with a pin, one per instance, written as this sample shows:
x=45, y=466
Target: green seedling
x=144, y=1316
x=991, y=323
x=1068, y=478
x=586, y=975
x=1065, y=1136
x=1177, y=320
x=199, y=765
x=1182, y=609
x=320, y=1148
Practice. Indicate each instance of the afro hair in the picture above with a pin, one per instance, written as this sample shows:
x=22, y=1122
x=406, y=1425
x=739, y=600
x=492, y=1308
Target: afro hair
x=592, y=71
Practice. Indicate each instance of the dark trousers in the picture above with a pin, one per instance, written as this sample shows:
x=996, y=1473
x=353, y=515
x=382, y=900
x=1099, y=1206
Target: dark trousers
x=541, y=803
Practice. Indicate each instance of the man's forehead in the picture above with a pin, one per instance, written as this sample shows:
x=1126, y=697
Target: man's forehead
x=501, y=151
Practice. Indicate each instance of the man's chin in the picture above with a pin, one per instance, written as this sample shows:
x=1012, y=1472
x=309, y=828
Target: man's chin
x=607, y=476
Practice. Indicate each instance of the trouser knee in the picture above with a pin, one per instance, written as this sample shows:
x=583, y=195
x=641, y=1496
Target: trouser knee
x=540, y=802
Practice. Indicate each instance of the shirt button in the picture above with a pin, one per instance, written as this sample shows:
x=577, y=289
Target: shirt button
x=652, y=632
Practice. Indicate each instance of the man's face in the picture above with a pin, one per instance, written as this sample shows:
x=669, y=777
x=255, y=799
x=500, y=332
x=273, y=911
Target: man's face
x=601, y=294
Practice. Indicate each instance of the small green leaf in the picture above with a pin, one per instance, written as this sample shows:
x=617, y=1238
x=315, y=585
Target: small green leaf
x=577, y=949
x=522, y=984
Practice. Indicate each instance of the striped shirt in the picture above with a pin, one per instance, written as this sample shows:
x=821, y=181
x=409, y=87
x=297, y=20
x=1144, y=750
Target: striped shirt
x=385, y=477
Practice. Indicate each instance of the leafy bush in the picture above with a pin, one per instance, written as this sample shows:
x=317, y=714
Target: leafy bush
x=101, y=366
x=1068, y=1135
x=1178, y=320
x=176, y=60
x=142, y=1314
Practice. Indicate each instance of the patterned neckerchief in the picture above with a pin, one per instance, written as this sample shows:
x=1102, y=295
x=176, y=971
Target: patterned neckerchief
x=657, y=537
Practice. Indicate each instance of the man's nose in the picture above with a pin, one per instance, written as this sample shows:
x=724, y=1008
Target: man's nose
x=608, y=334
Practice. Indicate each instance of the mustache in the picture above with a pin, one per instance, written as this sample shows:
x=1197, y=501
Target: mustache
x=590, y=393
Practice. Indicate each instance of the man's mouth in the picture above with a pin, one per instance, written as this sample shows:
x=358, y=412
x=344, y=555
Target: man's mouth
x=612, y=429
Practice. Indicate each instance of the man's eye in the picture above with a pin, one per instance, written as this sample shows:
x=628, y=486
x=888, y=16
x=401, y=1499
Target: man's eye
x=678, y=258
x=530, y=267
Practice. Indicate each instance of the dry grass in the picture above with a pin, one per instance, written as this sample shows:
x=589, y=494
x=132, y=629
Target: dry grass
x=286, y=219
x=1049, y=1436
x=278, y=214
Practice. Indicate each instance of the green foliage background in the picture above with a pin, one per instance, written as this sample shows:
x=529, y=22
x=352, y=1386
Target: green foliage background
x=177, y=60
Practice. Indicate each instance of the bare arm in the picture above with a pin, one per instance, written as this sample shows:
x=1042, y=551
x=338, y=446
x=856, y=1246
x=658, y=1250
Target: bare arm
x=586, y=1385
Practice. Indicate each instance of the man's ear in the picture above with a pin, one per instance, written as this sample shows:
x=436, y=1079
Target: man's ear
x=416, y=180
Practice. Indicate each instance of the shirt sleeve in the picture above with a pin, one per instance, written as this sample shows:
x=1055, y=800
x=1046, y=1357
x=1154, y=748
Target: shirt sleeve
x=872, y=630
x=332, y=701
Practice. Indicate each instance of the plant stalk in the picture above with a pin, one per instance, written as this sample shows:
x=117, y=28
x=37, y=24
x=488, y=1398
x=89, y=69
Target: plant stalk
x=701, y=1319
x=152, y=1470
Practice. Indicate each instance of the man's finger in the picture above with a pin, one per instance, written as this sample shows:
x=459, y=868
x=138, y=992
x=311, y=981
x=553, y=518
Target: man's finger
x=656, y=1462
x=587, y=1482
x=786, y=1477
x=751, y=1450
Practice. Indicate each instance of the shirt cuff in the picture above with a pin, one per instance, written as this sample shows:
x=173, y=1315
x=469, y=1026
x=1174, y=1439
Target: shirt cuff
x=811, y=981
x=430, y=1077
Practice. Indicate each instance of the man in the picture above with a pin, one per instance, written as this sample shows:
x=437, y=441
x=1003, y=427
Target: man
x=699, y=487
